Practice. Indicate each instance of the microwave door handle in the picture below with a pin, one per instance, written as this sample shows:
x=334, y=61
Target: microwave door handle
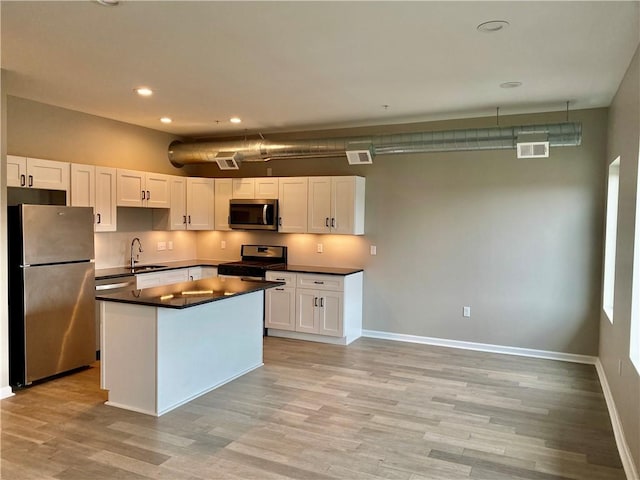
x=264, y=214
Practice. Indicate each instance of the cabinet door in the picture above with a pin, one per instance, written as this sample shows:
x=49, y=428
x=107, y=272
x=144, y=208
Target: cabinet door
x=105, y=201
x=319, y=211
x=209, y=272
x=266, y=187
x=158, y=190
x=83, y=185
x=200, y=204
x=48, y=174
x=16, y=171
x=307, y=302
x=280, y=308
x=195, y=273
x=330, y=314
x=130, y=187
x=178, y=209
x=222, y=195
x=292, y=203
x=243, y=188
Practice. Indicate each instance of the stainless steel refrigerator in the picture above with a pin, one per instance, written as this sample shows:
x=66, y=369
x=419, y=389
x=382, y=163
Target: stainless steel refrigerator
x=51, y=291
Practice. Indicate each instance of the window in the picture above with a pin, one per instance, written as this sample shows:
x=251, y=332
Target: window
x=634, y=337
x=610, y=238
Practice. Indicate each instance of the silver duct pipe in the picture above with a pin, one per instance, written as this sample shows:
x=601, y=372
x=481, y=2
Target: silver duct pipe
x=495, y=138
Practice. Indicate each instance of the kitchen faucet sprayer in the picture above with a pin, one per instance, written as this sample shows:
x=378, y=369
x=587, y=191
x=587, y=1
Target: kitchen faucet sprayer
x=137, y=255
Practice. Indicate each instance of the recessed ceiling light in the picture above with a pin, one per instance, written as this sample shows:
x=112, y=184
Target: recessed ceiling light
x=108, y=3
x=143, y=91
x=235, y=120
x=510, y=84
x=166, y=120
x=493, y=26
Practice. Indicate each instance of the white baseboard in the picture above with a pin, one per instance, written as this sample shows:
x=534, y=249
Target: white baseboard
x=618, y=431
x=482, y=347
x=6, y=392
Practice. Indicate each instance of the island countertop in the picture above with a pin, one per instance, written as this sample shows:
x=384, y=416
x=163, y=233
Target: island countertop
x=189, y=294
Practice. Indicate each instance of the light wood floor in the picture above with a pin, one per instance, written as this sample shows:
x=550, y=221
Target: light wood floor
x=375, y=409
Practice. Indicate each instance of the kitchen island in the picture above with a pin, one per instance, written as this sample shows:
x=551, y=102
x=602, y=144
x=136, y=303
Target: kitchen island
x=162, y=347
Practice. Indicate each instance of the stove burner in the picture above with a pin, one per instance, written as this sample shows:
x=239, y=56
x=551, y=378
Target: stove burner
x=256, y=260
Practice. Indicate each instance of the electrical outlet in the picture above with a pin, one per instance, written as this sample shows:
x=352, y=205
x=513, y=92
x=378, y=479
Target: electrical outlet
x=466, y=311
x=320, y=248
x=162, y=246
x=223, y=244
x=373, y=250
x=170, y=245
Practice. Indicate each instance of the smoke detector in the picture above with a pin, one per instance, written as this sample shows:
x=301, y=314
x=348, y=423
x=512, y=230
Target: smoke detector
x=360, y=157
x=228, y=160
x=532, y=145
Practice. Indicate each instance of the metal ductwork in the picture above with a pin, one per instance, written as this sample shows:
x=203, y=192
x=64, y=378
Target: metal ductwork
x=495, y=138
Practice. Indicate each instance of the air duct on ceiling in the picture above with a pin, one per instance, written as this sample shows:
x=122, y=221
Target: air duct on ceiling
x=495, y=138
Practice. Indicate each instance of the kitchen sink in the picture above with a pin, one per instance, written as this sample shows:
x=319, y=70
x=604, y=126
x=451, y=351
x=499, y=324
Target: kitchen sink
x=146, y=268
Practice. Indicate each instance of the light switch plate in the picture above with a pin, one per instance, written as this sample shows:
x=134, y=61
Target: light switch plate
x=170, y=245
x=466, y=311
x=373, y=249
x=223, y=244
x=320, y=248
x=162, y=246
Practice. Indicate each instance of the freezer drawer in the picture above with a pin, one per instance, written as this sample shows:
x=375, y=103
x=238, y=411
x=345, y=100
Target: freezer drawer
x=57, y=329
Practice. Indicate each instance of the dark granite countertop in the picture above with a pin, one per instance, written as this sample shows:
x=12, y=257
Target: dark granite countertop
x=200, y=292
x=320, y=270
x=105, y=273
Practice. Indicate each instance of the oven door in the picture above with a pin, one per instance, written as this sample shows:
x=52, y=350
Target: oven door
x=253, y=214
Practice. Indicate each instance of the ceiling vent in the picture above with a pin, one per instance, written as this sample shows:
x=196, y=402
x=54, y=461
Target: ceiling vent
x=228, y=160
x=532, y=145
x=360, y=157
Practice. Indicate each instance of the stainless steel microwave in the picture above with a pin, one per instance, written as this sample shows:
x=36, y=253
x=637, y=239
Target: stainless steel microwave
x=253, y=214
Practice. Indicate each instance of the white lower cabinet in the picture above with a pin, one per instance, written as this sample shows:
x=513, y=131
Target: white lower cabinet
x=330, y=311
x=280, y=302
x=198, y=273
x=166, y=277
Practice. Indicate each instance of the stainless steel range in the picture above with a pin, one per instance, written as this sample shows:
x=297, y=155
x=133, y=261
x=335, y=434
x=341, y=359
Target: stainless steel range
x=256, y=260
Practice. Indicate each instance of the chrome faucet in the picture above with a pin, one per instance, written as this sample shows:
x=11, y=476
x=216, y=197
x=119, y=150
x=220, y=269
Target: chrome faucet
x=137, y=255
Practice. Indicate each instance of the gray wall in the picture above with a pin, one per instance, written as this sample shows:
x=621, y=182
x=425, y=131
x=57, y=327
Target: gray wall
x=624, y=141
x=517, y=240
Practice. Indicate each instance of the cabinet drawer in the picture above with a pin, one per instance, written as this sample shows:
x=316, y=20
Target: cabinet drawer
x=288, y=278
x=148, y=280
x=321, y=282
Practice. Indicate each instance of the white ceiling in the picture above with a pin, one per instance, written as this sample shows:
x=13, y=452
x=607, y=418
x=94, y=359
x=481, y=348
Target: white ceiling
x=299, y=65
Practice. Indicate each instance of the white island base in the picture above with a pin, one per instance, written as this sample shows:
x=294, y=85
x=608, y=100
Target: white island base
x=155, y=359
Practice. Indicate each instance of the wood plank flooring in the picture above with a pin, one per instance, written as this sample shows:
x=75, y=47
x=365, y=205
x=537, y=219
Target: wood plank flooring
x=375, y=409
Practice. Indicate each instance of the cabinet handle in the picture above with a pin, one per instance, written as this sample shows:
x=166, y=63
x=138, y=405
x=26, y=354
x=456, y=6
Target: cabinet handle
x=280, y=221
x=184, y=219
x=280, y=289
x=326, y=222
x=315, y=301
x=31, y=180
x=318, y=283
x=148, y=195
x=191, y=277
x=321, y=302
x=189, y=216
x=143, y=195
x=333, y=223
x=280, y=279
x=23, y=180
x=99, y=218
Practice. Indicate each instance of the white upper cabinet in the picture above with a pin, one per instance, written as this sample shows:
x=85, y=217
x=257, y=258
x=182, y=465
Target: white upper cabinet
x=223, y=193
x=255, y=188
x=95, y=187
x=336, y=205
x=243, y=188
x=266, y=188
x=292, y=204
x=142, y=189
x=37, y=173
x=200, y=204
x=105, y=205
x=191, y=207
